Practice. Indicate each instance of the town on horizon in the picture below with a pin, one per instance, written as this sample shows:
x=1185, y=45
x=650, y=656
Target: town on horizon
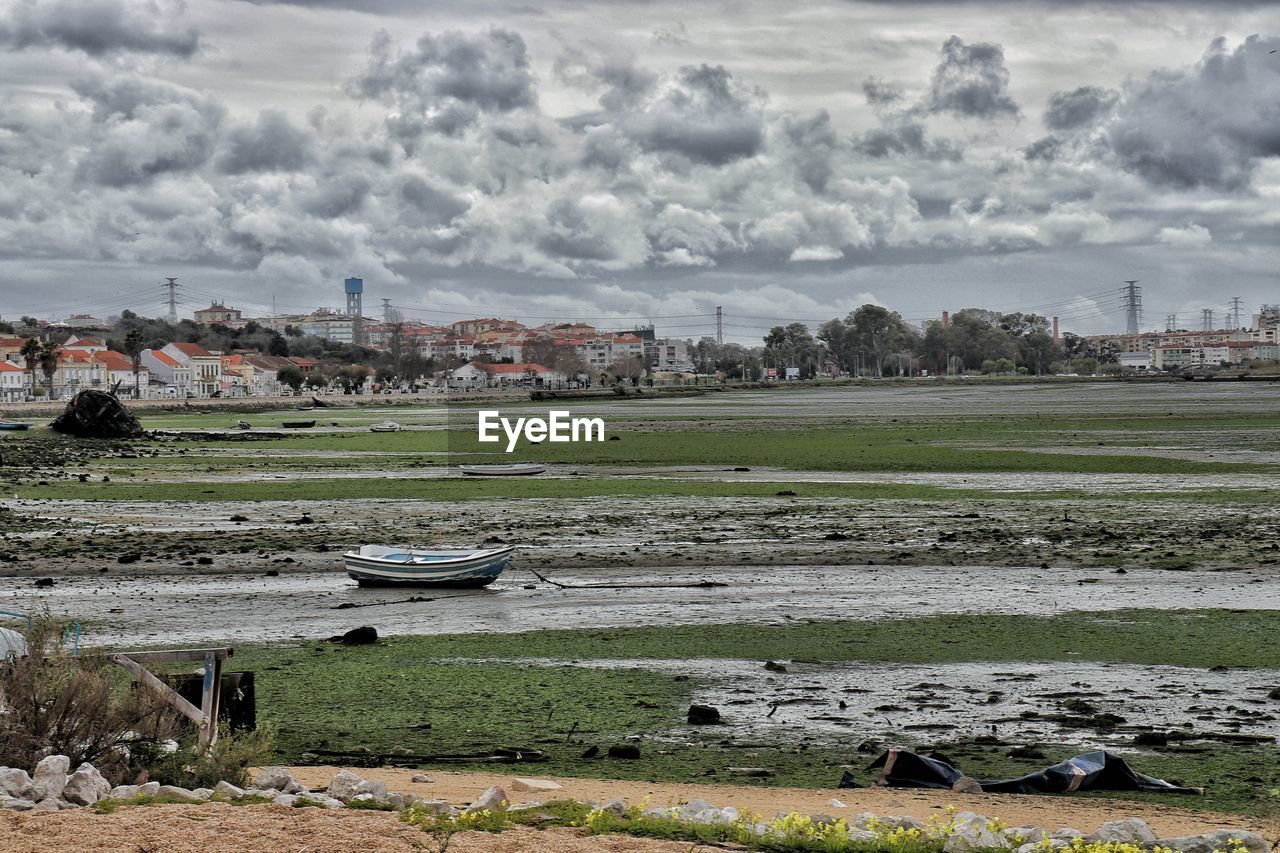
x=345, y=351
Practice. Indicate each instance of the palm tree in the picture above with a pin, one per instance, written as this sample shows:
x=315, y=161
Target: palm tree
x=30, y=353
x=49, y=352
x=133, y=346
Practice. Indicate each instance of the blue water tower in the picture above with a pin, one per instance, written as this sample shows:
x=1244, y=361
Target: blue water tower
x=354, y=288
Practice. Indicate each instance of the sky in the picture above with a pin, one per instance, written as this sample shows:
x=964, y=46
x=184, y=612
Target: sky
x=641, y=161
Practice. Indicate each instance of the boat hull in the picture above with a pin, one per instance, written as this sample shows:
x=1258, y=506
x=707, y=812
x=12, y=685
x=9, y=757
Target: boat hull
x=13, y=426
x=520, y=470
x=449, y=570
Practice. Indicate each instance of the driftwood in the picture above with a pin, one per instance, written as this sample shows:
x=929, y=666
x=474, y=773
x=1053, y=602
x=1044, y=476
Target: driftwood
x=96, y=414
x=685, y=585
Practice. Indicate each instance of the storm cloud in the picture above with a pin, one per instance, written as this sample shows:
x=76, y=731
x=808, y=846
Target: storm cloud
x=972, y=81
x=100, y=27
x=505, y=161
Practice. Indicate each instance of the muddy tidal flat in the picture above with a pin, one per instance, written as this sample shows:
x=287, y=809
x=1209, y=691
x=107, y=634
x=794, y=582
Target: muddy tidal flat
x=860, y=508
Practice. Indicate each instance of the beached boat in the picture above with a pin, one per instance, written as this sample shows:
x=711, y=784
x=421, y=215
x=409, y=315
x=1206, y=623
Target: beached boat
x=519, y=469
x=386, y=426
x=13, y=425
x=382, y=565
x=298, y=424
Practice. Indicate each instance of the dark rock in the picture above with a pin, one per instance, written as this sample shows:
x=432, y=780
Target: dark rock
x=591, y=751
x=628, y=751
x=1026, y=752
x=273, y=573
x=773, y=666
x=128, y=558
x=44, y=582
x=786, y=493
x=615, y=438
x=238, y=517
x=1274, y=694
x=204, y=561
x=836, y=537
x=361, y=636
x=1151, y=739
x=703, y=715
x=305, y=519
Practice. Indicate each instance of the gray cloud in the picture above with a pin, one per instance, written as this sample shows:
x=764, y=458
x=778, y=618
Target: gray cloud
x=447, y=80
x=971, y=81
x=705, y=115
x=1203, y=126
x=905, y=138
x=99, y=27
x=1079, y=107
x=271, y=144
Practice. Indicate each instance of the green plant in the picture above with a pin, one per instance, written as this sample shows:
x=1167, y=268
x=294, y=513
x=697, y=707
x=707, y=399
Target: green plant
x=229, y=760
x=80, y=707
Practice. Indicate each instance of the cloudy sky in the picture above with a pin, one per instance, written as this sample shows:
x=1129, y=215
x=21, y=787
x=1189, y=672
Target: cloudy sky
x=624, y=161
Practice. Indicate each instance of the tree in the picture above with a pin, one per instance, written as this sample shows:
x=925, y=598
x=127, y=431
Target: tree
x=49, y=352
x=628, y=368
x=277, y=345
x=30, y=353
x=290, y=375
x=133, y=348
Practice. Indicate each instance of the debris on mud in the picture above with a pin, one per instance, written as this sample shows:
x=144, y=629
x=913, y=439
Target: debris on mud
x=97, y=414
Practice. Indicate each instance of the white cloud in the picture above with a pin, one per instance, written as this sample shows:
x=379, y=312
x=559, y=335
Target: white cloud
x=815, y=253
x=1192, y=236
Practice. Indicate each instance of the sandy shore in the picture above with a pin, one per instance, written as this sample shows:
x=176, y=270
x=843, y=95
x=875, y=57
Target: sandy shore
x=1082, y=813
x=220, y=828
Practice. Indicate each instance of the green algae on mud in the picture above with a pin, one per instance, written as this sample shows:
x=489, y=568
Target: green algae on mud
x=456, y=695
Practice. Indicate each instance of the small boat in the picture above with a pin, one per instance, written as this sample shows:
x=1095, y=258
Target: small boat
x=298, y=424
x=519, y=469
x=243, y=425
x=381, y=565
x=386, y=426
x=14, y=425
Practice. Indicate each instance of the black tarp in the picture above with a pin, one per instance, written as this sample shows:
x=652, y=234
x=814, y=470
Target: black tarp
x=1090, y=771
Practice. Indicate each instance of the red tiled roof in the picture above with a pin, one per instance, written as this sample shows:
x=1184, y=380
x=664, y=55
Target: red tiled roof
x=4, y=365
x=191, y=349
x=165, y=358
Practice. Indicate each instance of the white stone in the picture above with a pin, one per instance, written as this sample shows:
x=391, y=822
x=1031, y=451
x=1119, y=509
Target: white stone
x=203, y=793
x=692, y=809
x=836, y=804
x=343, y=785
x=421, y=779
x=1128, y=831
x=294, y=788
x=174, y=792
x=437, y=807
x=537, y=786
x=85, y=786
x=285, y=799
x=1067, y=834
x=16, y=804
x=1220, y=840
x=14, y=781
x=273, y=779
x=149, y=789
x=50, y=777
x=618, y=806
x=226, y=789
x=971, y=832
x=374, y=787
x=123, y=792
x=492, y=799
x=51, y=804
